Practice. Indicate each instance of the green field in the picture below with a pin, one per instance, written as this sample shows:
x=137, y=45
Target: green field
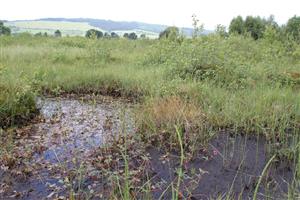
x=67, y=28
x=201, y=86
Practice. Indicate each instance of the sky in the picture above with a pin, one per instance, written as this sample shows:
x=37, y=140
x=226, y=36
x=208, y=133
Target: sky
x=168, y=12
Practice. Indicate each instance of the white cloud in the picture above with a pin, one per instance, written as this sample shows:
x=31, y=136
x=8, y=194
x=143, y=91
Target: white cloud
x=210, y=12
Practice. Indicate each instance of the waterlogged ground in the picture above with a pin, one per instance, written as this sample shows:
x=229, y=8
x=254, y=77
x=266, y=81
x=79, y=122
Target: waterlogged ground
x=75, y=127
x=75, y=149
x=58, y=143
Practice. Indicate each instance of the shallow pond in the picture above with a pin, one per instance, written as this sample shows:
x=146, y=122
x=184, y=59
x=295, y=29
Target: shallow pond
x=76, y=126
x=66, y=132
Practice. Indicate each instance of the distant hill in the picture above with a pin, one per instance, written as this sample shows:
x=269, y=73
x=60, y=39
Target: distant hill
x=78, y=26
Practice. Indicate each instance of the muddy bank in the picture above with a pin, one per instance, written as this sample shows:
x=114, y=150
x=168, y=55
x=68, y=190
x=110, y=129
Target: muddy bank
x=112, y=91
x=231, y=165
x=78, y=148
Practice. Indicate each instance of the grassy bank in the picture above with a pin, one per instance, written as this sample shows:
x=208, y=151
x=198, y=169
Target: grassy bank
x=235, y=82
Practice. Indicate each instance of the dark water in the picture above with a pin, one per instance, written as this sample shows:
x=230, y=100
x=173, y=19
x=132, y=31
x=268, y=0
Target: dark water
x=68, y=130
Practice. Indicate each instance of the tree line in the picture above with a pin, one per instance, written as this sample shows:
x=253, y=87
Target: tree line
x=93, y=33
x=256, y=27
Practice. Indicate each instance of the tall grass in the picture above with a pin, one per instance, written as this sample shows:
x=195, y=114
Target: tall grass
x=262, y=175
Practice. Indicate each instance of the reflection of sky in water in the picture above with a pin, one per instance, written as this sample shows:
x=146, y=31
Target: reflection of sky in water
x=74, y=127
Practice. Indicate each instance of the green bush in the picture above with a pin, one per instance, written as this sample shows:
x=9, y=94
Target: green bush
x=17, y=104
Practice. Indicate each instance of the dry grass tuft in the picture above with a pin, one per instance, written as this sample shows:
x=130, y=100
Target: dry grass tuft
x=173, y=110
x=158, y=118
x=294, y=75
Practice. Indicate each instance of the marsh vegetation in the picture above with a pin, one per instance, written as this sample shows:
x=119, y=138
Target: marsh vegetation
x=210, y=117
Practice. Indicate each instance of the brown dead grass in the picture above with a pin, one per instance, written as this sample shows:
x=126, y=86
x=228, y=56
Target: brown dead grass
x=294, y=75
x=173, y=110
x=158, y=119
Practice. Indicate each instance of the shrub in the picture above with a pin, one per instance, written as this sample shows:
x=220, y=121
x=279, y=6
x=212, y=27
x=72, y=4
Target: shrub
x=17, y=104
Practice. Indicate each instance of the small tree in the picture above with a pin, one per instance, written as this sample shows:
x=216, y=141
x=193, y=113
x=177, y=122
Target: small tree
x=237, y=25
x=132, y=36
x=4, y=30
x=198, y=28
x=171, y=33
x=93, y=33
x=57, y=33
x=255, y=26
x=270, y=21
x=114, y=35
x=271, y=34
x=106, y=35
x=221, y=30
x=143, y=36
x=126, y=35
x=39, y=34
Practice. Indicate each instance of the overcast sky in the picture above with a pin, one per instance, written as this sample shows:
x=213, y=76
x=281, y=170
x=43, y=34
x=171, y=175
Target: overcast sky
x=169, y=12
